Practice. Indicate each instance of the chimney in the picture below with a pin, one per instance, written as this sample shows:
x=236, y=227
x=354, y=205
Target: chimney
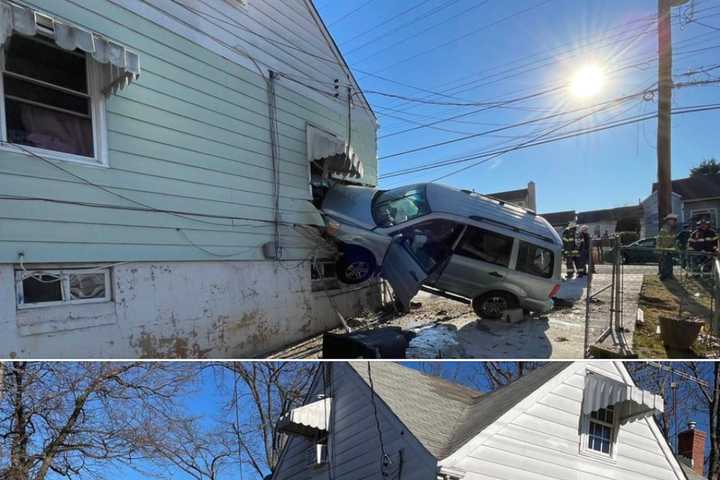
x=531, y=197
x=691, y=445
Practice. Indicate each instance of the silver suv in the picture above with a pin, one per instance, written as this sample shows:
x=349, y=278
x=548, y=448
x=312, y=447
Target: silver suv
x=497, y=255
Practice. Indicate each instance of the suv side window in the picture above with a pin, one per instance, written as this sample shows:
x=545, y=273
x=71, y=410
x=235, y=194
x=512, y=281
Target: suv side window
x=487, y=246
x=535, y=260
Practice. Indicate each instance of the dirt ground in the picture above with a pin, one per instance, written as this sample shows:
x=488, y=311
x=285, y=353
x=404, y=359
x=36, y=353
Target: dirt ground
x=449, y=329
x=688, y=298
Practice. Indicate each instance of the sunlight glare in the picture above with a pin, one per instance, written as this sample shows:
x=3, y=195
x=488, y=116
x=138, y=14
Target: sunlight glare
x=588, y=81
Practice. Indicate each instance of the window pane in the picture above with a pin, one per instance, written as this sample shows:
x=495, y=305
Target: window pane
x=48, y=96
x=487, y=246
x=87, y=285
x=535, y=260
x=49, y=129
x=37, y=58
x=42, y=288
x=399, y=205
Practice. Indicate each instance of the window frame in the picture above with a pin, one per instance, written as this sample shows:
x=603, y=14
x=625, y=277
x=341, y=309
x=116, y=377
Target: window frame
x=614, y=438
x=512, y=258
x=98, y=114
x=553, y=260
x=706, y=210
x=65, y=274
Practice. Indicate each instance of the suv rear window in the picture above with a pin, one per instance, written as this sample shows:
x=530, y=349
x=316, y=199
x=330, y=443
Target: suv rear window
x=535, y=260
x=487, y=246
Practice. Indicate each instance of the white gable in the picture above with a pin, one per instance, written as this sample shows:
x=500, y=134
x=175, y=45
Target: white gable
x=540, y=438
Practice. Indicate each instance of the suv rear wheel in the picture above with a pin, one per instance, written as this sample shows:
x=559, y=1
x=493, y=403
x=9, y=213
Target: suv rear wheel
x=493, y=305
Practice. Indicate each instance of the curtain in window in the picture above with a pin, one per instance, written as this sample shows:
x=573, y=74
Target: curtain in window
x=56, y=131
x=122, y=65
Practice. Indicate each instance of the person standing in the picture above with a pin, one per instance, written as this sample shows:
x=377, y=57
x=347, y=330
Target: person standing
x=704, y=239
x=570, y=249
x=682, y=244
x=666, y=246
x=583, y=251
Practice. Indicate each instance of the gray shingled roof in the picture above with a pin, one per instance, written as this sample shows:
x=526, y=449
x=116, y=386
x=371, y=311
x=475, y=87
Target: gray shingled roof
x=559, y=218
x=443, y=415
x=696, y=188
x=610, y=214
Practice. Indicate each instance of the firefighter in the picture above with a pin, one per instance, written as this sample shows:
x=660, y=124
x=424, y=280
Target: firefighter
x=583, y=251
x=570, y=249
x=682, y=244
x=704, y=239
x=666, y=246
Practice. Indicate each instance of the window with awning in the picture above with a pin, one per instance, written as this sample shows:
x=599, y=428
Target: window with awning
x=309, y=420
x=332, y=157
x=608, y=404
x=55, y=78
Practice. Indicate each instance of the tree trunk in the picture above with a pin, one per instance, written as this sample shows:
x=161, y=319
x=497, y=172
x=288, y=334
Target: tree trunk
x=19, y=467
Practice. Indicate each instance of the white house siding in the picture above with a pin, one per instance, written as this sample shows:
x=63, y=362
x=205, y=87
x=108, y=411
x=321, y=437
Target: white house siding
x=543, y=442
x=354, y=441
x=191, y=134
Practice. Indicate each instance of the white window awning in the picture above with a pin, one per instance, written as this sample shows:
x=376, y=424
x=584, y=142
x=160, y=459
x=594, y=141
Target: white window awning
x=122, y=65
x=629, y=402
x=339, y=160
x=309, y=419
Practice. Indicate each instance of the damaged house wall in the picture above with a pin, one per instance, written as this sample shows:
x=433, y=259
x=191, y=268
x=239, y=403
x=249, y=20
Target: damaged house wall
x=190, y=135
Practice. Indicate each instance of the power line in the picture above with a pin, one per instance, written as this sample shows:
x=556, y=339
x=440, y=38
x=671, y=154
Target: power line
x=351, y=12
x=385, y=22
x=576, y=133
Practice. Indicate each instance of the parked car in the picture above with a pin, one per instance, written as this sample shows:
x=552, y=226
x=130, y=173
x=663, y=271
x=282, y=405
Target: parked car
x=498, y=255
x=641, y=251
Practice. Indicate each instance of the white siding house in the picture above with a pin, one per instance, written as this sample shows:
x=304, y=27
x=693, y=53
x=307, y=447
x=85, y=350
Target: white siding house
x=577, y=421
x=156, y=235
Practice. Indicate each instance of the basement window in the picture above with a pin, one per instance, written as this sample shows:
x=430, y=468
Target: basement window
x=323, y=275
x=40, y=288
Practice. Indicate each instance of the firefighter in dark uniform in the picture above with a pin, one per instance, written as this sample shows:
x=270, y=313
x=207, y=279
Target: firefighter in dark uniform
x=570, y=250
x=666, y=240
x=704, y=239
x=682, y=244
x=584, y=251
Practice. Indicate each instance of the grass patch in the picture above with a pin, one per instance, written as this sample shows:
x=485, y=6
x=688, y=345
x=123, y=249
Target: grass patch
x=672, y=298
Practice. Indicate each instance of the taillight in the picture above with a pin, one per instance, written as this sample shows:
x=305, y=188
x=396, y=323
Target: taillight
x=554, y=291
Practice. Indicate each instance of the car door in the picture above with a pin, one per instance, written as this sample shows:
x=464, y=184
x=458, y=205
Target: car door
x=480, y=260
x=416, y=253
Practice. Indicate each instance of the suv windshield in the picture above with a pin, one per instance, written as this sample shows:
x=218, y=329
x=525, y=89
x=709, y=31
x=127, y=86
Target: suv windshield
x=393, y=207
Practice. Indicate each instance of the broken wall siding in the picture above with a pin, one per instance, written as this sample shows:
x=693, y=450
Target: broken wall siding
x=543, y=442
x=191, y=134
x=354, y=441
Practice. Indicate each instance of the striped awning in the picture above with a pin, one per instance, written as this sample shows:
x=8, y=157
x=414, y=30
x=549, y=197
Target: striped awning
x=629, y=402
x=309, y=419
x=122, y=65
x=339, y=159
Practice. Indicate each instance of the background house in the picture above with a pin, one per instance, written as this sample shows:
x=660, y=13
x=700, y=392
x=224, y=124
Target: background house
x=524, y=197
x=375, y=420
x=560, y=220
x=694, y=198
x=604, y=221
x=163, y=206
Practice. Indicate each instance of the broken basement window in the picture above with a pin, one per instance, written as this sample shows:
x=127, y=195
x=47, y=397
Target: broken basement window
x=37, y=288
x=323, y=275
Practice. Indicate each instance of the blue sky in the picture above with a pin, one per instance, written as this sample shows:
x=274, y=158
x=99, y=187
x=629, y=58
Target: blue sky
x=437, y=44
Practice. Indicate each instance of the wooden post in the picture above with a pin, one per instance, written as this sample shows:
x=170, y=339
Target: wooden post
x=664, y=191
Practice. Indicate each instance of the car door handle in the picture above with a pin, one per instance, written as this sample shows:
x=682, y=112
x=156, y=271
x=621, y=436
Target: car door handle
x=495, y=274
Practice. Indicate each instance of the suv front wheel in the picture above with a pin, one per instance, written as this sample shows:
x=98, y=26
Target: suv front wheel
x=493, y=305
x=356, y=265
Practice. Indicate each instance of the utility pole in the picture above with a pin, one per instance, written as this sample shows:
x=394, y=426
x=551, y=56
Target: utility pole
x=665, y=87
x=664, y=191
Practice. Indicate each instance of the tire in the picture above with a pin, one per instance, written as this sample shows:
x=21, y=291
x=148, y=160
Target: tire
x=356, y=265
x=493, y=305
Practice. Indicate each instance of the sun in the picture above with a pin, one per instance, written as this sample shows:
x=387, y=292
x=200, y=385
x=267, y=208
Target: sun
x=587, y=81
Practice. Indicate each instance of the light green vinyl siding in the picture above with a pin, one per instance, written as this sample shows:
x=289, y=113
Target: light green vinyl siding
x=191, y=134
